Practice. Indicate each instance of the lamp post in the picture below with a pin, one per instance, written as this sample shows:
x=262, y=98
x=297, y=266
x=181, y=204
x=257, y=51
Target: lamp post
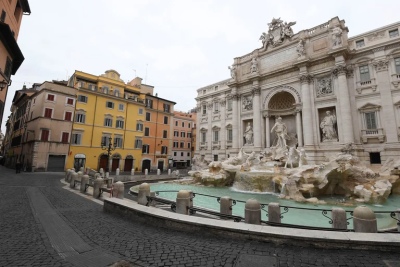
x=108, y=147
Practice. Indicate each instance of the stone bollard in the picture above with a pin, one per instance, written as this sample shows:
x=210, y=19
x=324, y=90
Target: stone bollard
x=110, y=181
x=69, y=173
x=74, y=177
x=87, y=170
x=97, y=184
x=118, y=190
x=81, y=169
x=169, y=172
x=107, y=175
x=252, y=212
x=80, y=174
x=158, y=171
x=133, y=172
x=66, y=175
x=146, y=172
x=339, y=218
x=144, y=191
x=364, y=220
x=191, y=197
x=225, y=205
x=117, y=172
x=182, y=202
x=101, y=171
x=84, y=182
x=274, y=212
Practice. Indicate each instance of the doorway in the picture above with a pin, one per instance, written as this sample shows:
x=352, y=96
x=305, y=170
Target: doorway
x=146, y=163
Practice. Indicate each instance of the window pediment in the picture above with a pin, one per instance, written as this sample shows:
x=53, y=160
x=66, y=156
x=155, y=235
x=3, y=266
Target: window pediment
x=216, y=128
x=369, y=107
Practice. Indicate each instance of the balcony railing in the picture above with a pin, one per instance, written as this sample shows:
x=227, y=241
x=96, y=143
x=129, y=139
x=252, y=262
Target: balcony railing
x=396, y=79
x=373, y=133
x=362, y=85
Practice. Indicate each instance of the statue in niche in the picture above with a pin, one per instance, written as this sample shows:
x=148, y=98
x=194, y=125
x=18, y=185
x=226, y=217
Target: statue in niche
x=300, y=48
x=248, y=134
x=253, y=67
x=337, y=36
x=281, y=133
x=233, y=71
x=328, y=127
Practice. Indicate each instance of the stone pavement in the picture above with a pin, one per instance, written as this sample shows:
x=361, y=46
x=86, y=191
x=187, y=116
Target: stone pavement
x=43, y=224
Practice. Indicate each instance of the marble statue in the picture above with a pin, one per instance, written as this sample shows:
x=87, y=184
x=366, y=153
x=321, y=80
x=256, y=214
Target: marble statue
x=253, y=67
x=293, y=157
x=248, y=134
x=300, y=48
x=280, y=130
x=337, y=36
x=278, y=31
x=328, y=127
x=233, y=71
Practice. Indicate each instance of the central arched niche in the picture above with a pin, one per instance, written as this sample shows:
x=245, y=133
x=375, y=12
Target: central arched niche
x=282, y=101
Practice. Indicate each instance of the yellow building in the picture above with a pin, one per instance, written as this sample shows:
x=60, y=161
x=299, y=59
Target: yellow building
x=108, y=122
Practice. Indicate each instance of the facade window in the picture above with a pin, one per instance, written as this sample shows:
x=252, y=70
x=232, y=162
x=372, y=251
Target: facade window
x=203, y=137
x=148, y=116
x=50, y=97
x=119, y=124
x=70, y=101
x=167, y=108
x=121, y=107
x=181, y=154
x=229, y=103
x=182, y=145
x=105, y=89
x=176, y=123
x=174, y=154
x=139, y=127
x=176, y=144
x=45, y=135
x=105, y=140
x=360, y=43
x=92, y=87
x=48, y=112
x=165, y=120
x=189, y=135
x=80, y=117
x=108, y=122
x=216, y=106
x=149, y=103
x=146, y=131
x=204, y=92
x=138, y=143
x=165, y=134
x=370, y=120
x=183, y=134
x=176, y=133
x=65, y=138
x=189, y=125
x=118, y=141
x=216, y=88
x=397, y=64
x=76, y=138
x=183, y=124
x=164, y=150
x=109, y=104
x=82, y=98
x=145, y=149
x=393, y=33
x=188, y=145
x=204, y=109
x=140, y=111
x=188, y=154
x=68, y=116
x=216, y=136
x=116, y=92
x=230, y=135
x=3, y=16
x=364, y=73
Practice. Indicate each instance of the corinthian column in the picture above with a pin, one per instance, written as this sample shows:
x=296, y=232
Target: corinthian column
x=299, y=130
x=209, y=123
x=344, y=104
x=235, y=124
x=223, y=124
x=307, y=112
x=267, y=131
x=256, y=118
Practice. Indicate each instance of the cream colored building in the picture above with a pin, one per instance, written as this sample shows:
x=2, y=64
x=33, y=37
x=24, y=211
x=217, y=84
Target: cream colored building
x=47, y=136
x=329, y=89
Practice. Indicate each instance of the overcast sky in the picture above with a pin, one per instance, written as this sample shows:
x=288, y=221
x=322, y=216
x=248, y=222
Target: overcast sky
x=177, y=46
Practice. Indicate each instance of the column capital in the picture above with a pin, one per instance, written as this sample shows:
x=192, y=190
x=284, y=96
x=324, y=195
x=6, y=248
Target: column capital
x=306, y=78
x=342, y=70
x=266, y=114
x=210, y=105
x=235, y=97
x=256, y=91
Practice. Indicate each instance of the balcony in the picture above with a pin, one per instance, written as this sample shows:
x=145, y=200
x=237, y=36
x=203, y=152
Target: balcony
x=363, y=85
x=396, y=80
x=216, y=145
x=203, y=145
x=377, y=134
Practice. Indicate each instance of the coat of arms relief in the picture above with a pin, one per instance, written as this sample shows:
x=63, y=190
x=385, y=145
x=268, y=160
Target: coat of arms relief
x=278, y=31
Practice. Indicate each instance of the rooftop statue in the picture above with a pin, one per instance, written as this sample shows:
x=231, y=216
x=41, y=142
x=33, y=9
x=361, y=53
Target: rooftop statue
x=278, y=31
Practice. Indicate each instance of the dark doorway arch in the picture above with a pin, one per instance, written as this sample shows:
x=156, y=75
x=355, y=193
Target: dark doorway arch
x=146, y=164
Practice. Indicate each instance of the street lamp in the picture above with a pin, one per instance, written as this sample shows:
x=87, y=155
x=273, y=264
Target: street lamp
x=109, y=147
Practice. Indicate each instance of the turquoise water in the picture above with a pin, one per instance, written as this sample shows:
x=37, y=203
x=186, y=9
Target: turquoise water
x=294, y=216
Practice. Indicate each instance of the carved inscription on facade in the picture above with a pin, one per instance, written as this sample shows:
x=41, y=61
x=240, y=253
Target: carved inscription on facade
x=272, y=61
